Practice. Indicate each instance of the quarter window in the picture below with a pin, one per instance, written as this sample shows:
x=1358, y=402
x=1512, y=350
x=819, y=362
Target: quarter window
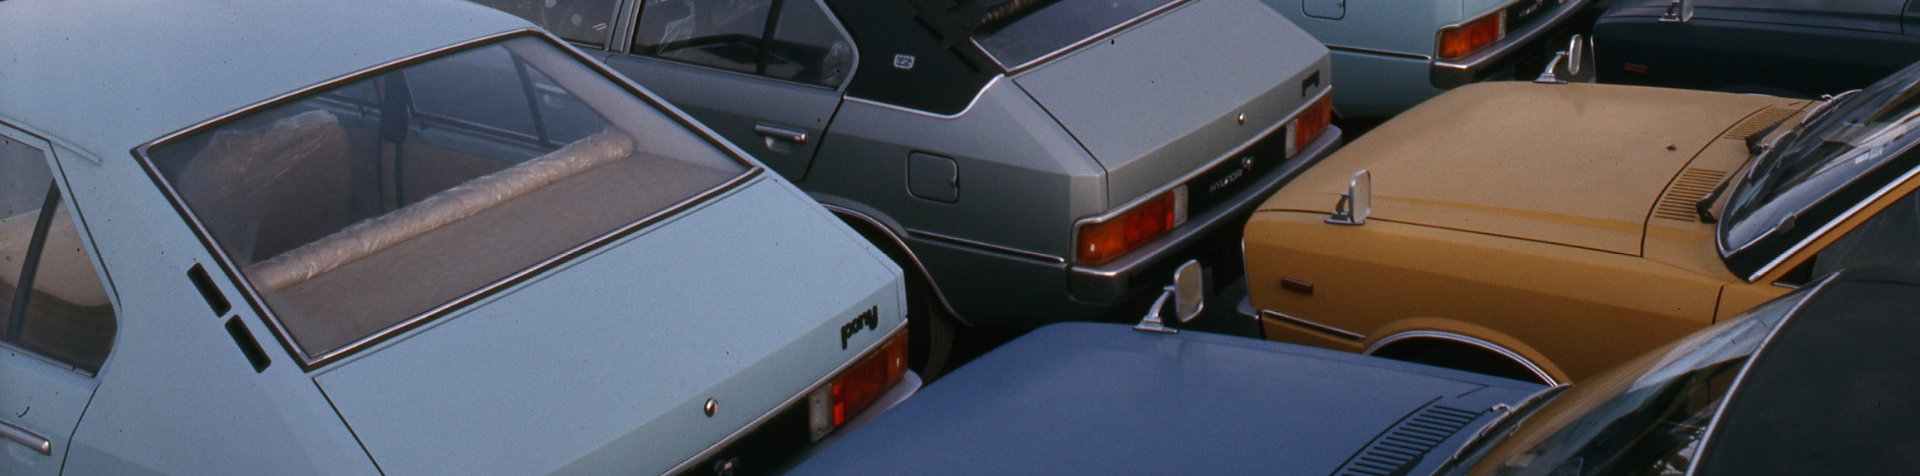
x=802, y=45
x=51, y=300
x=580, y=21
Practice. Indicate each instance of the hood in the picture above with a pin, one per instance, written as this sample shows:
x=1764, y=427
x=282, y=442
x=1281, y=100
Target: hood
x=604, y=365
x=1087, y=398
x=1163, y=98
x=1572, y=164
x=1869, y=15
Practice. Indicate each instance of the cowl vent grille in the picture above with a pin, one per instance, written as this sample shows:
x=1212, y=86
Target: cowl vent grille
x=1757, y=121
x=1685, y=193
x=1406, y=444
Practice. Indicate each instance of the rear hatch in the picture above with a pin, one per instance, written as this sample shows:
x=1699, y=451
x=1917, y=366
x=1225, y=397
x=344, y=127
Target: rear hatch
x=1164, y=96
x=605, y=365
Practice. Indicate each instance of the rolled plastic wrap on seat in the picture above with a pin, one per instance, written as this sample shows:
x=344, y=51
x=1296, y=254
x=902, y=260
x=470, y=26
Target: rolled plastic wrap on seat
x=256, y=189
x=372, y=235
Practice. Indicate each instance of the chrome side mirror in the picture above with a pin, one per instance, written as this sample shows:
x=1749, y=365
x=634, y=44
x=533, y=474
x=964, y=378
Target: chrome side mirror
x=1356, y=203
x=1575, y=65
x=1680, y=11
x=1188, y=292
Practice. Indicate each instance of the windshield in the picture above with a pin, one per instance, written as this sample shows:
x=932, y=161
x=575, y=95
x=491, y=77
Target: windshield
x=1017, y=32
x=1850, y=136
x=357, y=208
x=1651, y=421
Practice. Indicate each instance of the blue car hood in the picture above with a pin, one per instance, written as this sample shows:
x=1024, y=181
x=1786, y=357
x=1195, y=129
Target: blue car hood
x=1106, y=399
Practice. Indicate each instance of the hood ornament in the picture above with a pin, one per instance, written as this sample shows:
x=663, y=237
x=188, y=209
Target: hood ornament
x=1356, y=202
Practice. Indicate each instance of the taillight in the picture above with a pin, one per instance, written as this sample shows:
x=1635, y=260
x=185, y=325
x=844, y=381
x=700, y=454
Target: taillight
x=1310, y=123
x=854, y=390
x=1463, y=40
x=1104, y=241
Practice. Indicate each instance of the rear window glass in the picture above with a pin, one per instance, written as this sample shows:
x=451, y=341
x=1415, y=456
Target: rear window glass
x=358, y=208
x=1018, y=32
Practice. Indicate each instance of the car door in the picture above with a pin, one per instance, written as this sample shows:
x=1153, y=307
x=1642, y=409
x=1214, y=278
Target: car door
x=765, y=74
x=57, y=322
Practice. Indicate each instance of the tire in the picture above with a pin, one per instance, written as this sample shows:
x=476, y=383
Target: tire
x=930, y=332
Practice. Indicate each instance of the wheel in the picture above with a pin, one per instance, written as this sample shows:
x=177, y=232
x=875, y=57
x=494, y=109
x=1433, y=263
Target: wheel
x=930, y=331
x=1462, y=358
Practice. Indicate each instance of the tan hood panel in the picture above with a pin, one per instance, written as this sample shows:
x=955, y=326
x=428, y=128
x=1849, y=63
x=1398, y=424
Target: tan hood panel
x=1573, y=164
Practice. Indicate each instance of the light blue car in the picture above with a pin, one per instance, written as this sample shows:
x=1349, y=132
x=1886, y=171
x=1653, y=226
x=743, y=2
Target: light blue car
x=325, y=237
x=1393, y=54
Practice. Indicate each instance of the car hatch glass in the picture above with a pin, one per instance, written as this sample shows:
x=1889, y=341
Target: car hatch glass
x=360, y=208
x=1016, y=33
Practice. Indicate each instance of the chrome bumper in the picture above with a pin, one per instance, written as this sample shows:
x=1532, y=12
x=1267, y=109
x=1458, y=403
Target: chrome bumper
x=1137, y=270
x=1449, y=74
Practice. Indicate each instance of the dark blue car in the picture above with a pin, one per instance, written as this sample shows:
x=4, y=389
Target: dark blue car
x=1819, y=381
x=1793, y=48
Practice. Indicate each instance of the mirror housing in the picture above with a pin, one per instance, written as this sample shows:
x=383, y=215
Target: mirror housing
x=1680, y=11
x=1356, y=203
x=1573, y=65
x=1188, y=293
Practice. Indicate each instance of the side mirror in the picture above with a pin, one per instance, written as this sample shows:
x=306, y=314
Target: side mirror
x=1575, y=65
x=1188, y=292
x=1680, y=11
x=1356, y=203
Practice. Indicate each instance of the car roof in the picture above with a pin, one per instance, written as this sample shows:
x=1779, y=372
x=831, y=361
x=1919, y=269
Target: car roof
x=105, y=76
x=1833, y=390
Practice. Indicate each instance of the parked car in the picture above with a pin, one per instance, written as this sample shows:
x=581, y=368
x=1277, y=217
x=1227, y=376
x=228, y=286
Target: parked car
x=1025, y=162
x=326, y=237
x=1392, y=55
x=1549, y=231
x=1793, y=48
x=1816, y=382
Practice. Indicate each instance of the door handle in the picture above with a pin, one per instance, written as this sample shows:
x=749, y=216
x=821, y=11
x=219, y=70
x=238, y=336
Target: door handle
x=787, y=134
x=24, y=437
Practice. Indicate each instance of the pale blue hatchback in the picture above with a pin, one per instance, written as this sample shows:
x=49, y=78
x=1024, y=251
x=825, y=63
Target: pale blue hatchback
x=326, y=237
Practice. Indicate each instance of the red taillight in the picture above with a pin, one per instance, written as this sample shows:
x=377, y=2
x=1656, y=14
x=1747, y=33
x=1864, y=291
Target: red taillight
x=1310, y=123
x=1104, y=241
x=858, y=387
x=1463, y=40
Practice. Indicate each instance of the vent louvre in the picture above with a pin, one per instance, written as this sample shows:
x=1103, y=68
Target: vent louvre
x=1687, y=190
x=1408, y=442
x=1757, y=121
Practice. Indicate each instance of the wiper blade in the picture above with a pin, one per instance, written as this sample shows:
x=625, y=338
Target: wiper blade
x=1827, y=102
x=1704, y=207
x=1480, y=437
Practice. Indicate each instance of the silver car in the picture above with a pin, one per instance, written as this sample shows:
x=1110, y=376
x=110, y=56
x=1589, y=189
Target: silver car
x=303, y=237
x=1025, y=161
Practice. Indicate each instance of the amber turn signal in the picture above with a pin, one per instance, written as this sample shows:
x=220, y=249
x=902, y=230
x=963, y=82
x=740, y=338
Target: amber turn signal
x=1311, y=122
x=1458, y=42
x=1104, y=241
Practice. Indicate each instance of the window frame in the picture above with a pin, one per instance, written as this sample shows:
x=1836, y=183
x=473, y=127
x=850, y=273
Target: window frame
x=630, y=29
x=257, y=302
x=49, y=155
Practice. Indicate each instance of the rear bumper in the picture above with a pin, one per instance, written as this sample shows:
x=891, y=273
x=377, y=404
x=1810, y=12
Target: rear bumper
x=1153, y=263
x=1497, y=59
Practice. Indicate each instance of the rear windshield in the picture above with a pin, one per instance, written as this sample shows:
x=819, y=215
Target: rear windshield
x=360, y=207
x=1018, y=32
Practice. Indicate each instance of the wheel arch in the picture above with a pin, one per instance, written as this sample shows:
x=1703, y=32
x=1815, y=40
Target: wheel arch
x=886, y=234
x=1498, y=345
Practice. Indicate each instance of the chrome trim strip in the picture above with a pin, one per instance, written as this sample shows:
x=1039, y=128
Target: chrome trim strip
x=1337, y=332
x=1356, y=49
x=1460, y=70
x=976, y=100
x=26, y=438
x=988, y=246
x=898, y=331
x=1077, y=44
x=1472, y=341
x=258, y=303
x=1734, y=388
x=1232, y=154
x=938, y=294
x=1830, y=225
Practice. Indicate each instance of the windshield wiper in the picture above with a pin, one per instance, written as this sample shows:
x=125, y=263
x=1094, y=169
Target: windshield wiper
x=1481, y=438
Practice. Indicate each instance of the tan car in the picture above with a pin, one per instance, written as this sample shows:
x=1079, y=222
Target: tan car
x=1549, y=231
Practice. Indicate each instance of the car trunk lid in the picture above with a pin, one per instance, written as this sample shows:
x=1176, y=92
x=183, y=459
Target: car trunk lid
x=1167, y=96
x=608, y=362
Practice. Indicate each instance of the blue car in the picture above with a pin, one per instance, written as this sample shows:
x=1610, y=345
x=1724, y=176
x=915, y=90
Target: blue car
x=1792, y=48
x=325, y=237
x=1819, y=381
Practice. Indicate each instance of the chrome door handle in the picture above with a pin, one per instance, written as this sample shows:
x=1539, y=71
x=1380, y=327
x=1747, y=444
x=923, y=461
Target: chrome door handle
x=24, y=437
x=790, y=135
